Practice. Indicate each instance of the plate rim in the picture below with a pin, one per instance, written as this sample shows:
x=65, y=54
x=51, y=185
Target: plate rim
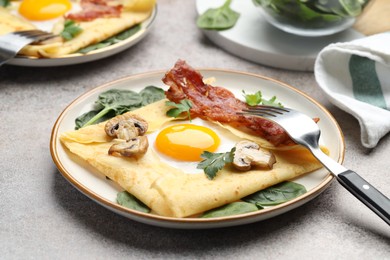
x=77, y=58
x=192, y=223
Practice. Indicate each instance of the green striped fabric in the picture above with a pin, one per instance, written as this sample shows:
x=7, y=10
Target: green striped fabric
x=355, y=76
x=365, y=82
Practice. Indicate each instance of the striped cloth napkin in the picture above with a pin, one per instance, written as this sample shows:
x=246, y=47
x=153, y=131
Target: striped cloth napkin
x=355, y=76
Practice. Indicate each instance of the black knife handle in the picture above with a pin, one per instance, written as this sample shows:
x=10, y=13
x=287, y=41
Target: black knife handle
x=366, y=193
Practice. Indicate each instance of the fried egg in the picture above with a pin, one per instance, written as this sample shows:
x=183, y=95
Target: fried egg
x=39, y=10
x=186, y=142
x=43, y=14
x=180, y=143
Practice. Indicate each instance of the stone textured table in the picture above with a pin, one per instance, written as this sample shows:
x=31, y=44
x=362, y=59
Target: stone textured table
x=43, y=217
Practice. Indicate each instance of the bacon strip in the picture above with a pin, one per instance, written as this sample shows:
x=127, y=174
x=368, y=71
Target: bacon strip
x=93, y=9
x=217, y=104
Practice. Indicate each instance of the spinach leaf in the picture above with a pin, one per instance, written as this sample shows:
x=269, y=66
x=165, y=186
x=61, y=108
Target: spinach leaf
x=233, y=208
x=81, y=120
x=93, y=47
x=151, y=94
x=129, y=201
x=220, y=18
x=276, y=194
x=213, y=162
x=4, y=3
x=318, y=13
x=112, y=40
x=127, y=33
x=117, y=100
x=114, y=102
x=71, y=29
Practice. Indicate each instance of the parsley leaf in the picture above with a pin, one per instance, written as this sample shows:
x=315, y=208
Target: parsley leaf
x=184, y=106
x=271, y=102
x=71, y=29
x=257, y=99
x=253, y=99
x=213, y=162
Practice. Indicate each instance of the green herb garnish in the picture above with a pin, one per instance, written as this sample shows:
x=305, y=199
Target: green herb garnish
x=313, y=13
x=112, y=40
x=230, y=209
x=178, y=108
x=257, y=99
x=270, y=196
x=220, y=18
x=129, y=201
x=71, y=29
x=253, y=99
x=213, y=162
x=118, y=101
x=276, y=194
x=4, y=3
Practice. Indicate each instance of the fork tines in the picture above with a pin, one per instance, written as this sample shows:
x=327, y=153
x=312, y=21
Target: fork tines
x=264, y=111
x=36, y=34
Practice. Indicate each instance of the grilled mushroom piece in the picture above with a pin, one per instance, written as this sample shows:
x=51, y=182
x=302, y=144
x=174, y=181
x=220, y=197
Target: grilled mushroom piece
x=126, y=126
x=135, y=147
x=250, y=154
x=130, y=129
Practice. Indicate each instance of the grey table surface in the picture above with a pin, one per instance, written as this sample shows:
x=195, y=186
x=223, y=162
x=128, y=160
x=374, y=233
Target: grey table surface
x=42, y=216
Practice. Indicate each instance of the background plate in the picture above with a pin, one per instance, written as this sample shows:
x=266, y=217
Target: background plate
x=104, y=192
x=254, y=39
x=77, y=58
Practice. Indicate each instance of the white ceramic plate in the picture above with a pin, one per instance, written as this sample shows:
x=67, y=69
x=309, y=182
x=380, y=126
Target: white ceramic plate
x=254, y=39
x=104, y=192
x=77, y=58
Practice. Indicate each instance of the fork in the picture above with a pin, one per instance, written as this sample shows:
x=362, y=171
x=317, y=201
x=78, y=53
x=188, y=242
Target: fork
x=304, y=131
x=12, y=43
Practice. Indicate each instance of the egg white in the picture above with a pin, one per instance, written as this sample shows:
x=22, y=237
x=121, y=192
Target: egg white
x=228, y=141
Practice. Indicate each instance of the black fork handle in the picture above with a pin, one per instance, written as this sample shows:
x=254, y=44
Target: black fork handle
x=366, y=193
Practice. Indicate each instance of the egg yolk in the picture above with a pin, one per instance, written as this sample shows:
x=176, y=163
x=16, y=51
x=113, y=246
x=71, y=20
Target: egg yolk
x=43, y=9
x=186, y=142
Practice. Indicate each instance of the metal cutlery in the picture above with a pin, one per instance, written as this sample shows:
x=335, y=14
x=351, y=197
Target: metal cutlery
x=12, y=43
x=304, y=131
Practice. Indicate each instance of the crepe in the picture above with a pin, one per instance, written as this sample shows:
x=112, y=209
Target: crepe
x=169, y=191
x=11, y=23
x=92, y=32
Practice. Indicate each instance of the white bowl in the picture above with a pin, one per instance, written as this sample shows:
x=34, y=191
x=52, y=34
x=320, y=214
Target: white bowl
x=311, y=17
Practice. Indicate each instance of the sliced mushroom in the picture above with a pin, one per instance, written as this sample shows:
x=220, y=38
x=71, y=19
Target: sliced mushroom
x=135, y=147
x=130, y=129
x=250, y=154
x=126, y=126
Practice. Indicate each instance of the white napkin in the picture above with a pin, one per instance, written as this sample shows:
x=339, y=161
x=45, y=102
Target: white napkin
x=355, y=76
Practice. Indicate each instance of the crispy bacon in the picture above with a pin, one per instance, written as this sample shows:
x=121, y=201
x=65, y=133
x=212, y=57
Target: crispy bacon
x=217, y=103
x=93, y=9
